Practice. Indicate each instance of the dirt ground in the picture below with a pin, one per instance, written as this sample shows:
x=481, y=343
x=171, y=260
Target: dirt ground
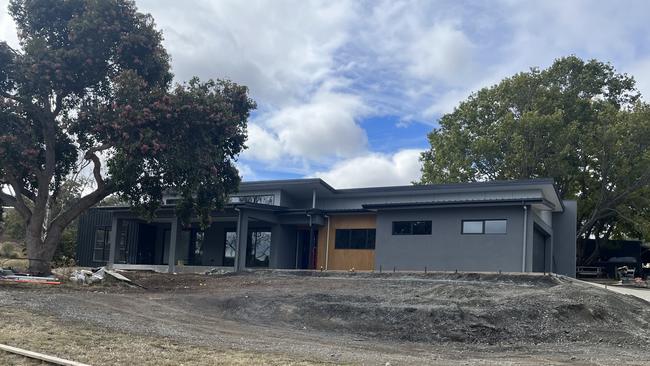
x=338, y=318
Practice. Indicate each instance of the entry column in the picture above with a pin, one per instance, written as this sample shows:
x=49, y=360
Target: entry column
x=242, y=240
x=116, y=224
x=173, y=237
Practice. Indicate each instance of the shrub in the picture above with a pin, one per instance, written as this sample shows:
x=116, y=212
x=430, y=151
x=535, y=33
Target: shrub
x=8, y=250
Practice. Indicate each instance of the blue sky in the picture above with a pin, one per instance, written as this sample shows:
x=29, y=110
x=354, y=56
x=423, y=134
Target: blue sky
x=347, y=90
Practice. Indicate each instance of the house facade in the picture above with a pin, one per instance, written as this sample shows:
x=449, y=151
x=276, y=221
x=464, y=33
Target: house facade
x=510, y=226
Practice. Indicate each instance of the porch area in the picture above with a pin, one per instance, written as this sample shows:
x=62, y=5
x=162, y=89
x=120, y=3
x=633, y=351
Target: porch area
x=237, y=238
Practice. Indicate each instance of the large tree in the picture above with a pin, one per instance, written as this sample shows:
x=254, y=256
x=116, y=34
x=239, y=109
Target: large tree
x=581, y=123
x=91, y=81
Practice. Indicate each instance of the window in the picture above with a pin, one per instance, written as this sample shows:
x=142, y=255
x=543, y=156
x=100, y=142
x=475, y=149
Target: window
x=472, y=227
x=120, y=255
x=355, y=239
x=230, y=248
x=265, y=199
x=258, y=249
x=195, y=249
x=484, y=226
x=411, y=227
x=495, y=226
x=102, y=247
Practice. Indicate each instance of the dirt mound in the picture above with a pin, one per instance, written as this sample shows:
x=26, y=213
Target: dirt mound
x=471, y=308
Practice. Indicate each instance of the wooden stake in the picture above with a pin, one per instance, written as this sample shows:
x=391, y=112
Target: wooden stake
x=40, y=356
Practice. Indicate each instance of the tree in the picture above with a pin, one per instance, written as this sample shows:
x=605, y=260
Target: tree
x=92, y=81
x=578, y=122
x=12, y=226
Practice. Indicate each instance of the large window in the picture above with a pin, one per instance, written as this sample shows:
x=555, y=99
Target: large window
x=102, y=247
x=484, y=226
x=266, y=199
x=355, y=239
x=411, y=227
x=258, y=249
x=230, y=248
x=195, y=249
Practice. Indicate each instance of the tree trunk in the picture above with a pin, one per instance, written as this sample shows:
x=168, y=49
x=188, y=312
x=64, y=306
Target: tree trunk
x=40, y=253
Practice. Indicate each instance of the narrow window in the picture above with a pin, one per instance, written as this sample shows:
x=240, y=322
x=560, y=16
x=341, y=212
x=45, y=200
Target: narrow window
x=101, y=248
x=229, y=248
x=411, y=227
x=495, y=226
x=485, y=226
x=355, y=239
x=473, y=227
x=258, y=249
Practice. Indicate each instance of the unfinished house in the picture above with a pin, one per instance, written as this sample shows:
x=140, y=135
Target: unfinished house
x=510, y=226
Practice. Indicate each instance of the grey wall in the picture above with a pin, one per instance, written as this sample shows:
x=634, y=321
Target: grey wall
x=539, y=251
x=564, y=239
x=446, y=249
x=283, y=247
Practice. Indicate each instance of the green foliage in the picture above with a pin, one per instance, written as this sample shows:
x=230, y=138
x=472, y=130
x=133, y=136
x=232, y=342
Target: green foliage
x=66, y=251
x=8, y=250
x=578, y=122
x=13, y=226
x=91, y=78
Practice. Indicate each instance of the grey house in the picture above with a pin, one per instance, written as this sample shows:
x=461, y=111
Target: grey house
x=511, y=226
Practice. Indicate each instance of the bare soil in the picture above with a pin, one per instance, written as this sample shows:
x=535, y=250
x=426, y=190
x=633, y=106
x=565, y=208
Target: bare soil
x=357, y=318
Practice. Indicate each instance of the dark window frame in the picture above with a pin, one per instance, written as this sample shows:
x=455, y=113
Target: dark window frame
x=503, y=233
x=264, y=199
x=106, y=246
x=227, y=260
x=369, y=242
x=428, y=227
x=482, y=221
x=252, y=260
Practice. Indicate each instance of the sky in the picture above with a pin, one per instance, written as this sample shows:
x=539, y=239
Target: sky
x=348, y=90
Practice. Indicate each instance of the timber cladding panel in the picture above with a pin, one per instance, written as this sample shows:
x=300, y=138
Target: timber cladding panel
x=345, y=259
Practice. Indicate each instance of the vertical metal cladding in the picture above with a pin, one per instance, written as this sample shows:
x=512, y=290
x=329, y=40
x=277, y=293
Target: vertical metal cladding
x=88, y=224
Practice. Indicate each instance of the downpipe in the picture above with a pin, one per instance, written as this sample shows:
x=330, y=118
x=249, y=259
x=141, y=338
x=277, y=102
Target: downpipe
x=523, y=255
x=327, y=244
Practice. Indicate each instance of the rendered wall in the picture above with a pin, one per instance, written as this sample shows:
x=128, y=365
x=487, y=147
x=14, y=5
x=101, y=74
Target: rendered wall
x=564, y=239
x=283, y=247
x=446, y=249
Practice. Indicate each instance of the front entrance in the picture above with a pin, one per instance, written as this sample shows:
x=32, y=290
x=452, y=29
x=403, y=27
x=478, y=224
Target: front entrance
x=306, y=250
x=146, y=244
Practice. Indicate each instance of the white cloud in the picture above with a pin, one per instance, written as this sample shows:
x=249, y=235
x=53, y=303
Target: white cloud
x=442, y=52
x=262, y=145
x=374, y=170
x=7, y=26
x=641, y=72
x=280, y=49
x=316, y=131
x=246, y=172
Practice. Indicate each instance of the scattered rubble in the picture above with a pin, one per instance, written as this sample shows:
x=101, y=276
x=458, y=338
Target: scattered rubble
x=8, y=275
x=99, y=275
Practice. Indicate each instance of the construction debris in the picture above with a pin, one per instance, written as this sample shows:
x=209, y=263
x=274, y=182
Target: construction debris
x=86, y=277
x=8, y=275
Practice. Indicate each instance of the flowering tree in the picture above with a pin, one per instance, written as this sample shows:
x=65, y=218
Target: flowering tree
x=91, y=82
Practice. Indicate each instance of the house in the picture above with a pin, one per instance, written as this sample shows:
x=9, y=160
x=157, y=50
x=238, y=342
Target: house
x=510, y=226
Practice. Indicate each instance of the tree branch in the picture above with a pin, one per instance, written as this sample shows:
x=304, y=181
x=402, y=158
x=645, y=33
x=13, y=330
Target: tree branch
x=81, y=205
x=19, y=203
x=7, y=199
x=97, y=164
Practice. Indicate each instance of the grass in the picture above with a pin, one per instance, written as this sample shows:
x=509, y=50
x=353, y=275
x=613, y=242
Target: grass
x=99, y=346
x=18, y=263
